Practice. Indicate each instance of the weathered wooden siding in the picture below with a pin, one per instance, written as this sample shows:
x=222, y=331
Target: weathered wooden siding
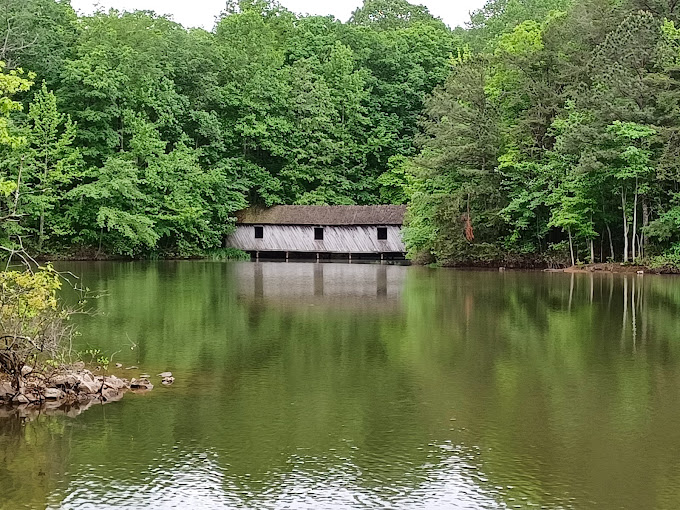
x=296, y=238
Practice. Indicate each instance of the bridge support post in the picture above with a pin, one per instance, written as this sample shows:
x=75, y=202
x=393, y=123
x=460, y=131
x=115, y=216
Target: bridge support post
x=257, y=256
x=350, y=258
x=382, y=258
x=286, y=256
x=317, y=257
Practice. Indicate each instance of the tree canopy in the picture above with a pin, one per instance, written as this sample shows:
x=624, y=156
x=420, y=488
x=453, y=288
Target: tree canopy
x=544, y=131
x=554, y=137
x=143, y=137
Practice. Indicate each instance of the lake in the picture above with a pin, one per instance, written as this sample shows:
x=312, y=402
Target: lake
x=365, y=386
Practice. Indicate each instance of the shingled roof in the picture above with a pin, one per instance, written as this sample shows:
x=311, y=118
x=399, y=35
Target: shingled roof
x=331, y=215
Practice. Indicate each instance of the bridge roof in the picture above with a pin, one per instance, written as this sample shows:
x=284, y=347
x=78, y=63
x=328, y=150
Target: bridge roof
x=330, y=215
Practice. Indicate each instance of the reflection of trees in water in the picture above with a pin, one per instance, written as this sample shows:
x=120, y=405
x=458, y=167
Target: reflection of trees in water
x=633, y=295
x=537, y=373
x=32, y=460
x=258, y=378
x=554, y=380
x=650, y=304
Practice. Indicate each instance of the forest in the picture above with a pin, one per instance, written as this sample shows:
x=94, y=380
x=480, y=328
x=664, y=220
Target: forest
x=543, y=132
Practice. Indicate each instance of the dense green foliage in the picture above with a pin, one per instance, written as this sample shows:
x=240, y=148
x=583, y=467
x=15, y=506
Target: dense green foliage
x=546, y=130
x=556, y=136
x=142, y=138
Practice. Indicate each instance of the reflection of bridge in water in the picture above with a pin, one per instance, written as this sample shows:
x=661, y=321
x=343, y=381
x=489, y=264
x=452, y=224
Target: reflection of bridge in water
x=342, y=285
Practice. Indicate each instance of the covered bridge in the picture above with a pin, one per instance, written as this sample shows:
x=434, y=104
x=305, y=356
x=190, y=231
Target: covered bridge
x=310, y=231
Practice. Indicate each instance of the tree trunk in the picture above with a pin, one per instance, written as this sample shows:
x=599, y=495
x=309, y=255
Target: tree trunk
x=611, y=242
x=42, y=227
x=571, y=249
x=592, y=251
x=645, y=223
x=625, y=226
x=592, y=244
x=41, y=233
x=101, y=235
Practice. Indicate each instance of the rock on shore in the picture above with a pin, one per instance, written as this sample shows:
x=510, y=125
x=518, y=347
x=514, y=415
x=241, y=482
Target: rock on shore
x=68, y=386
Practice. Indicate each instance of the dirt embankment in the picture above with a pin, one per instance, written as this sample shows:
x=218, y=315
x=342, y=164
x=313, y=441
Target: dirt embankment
x=610, y=267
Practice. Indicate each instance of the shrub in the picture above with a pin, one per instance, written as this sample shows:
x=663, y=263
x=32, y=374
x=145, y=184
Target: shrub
x=227, y=254
x=668, y=262
x=33, y=324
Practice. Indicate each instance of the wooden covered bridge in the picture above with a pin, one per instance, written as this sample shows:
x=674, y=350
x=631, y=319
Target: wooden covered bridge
x=321, y=232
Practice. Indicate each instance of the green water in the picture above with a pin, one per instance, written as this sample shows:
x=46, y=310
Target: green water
x=366, y=386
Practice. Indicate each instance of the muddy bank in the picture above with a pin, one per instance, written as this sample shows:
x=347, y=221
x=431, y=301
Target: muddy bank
x=615, y=267
x=70, y=387
x=611, y=267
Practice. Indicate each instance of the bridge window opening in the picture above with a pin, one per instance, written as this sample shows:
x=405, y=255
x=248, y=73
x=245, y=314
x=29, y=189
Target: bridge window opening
x=382, y=233
x=259, y=232
x=318, y=233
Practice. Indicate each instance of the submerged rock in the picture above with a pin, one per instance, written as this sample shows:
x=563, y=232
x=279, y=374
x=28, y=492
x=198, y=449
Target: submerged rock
x=141, y=384
x=165, y=374
x=116, y=383
x=167, y=381
x=111, y=394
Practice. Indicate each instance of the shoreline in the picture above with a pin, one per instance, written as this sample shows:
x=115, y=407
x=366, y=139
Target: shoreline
x=607, y=267
x=613, y=268
x=600, y=267
x=67, y=387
